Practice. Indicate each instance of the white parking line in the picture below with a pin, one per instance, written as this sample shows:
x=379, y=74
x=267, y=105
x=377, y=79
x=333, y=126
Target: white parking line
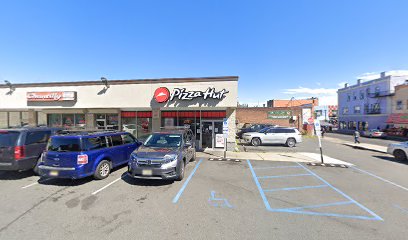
x=380, y=178
x=35, y=183
x=106, y=186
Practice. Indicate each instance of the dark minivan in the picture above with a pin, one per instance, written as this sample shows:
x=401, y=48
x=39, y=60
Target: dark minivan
x=80, y=154
x=21, y=148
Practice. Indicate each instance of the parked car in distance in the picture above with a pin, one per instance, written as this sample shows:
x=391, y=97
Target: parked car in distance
x=163, y=155
x=80, y=154
x=374, y=133
x=252, y=128
x=21, y=148
x=399, y=150
x=280, y=135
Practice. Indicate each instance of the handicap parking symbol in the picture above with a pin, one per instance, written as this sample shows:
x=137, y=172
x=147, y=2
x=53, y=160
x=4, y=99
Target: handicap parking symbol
x=218, y=202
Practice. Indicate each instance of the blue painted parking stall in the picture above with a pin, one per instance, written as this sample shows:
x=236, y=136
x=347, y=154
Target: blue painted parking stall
x=301, y=173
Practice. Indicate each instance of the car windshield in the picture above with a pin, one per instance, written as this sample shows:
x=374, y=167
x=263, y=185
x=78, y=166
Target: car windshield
x=61, y=144
x=163, y=140
x=8, y=138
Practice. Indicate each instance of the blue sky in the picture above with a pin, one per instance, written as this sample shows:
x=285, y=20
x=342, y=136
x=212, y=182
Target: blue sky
x=310, y=46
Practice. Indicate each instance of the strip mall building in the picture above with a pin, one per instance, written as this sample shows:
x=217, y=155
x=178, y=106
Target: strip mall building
x=137, y=106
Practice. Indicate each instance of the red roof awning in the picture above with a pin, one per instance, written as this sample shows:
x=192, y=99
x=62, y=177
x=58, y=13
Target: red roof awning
x=398, y=118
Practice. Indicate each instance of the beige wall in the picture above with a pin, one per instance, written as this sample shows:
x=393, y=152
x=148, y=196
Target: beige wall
x=401, y=93
x=120, y=96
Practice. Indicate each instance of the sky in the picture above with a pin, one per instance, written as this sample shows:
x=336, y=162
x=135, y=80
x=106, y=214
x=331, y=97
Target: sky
x=279, y=49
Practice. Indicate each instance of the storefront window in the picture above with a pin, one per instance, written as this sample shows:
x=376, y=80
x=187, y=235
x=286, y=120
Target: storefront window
x=68, y=120
x=144, y=127
x=112, y=121
x=80, y=120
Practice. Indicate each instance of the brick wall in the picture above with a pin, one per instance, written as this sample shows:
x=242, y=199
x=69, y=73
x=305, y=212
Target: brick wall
x=260, y=115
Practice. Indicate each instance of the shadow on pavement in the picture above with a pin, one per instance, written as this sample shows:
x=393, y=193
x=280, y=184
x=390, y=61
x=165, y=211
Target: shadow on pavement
x=392, y=159
x=15, y=175
x=65, y=182
x=145, y=182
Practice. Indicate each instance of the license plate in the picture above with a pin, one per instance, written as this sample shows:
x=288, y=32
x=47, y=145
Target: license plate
x=54, y=173
x=147, y=172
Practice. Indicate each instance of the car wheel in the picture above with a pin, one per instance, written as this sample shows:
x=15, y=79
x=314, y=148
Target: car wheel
x=102, y=170
x=193, y=158
x=180, y=171
x=290, y=142
x=35, y=169
x=400, y=155
x=256, y=142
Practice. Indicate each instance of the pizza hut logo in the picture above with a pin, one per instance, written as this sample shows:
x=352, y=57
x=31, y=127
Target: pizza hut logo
x=162, y=95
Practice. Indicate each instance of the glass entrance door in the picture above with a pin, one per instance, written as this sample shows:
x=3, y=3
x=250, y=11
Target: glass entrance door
x=210, y=129
x=207, y=135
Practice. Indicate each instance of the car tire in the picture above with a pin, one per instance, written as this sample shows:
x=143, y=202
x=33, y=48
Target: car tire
x=256, y=142
x=35, y=168
x=102, y=170
x=291, y=142
x=193, y=158
x=400, y=155
x=180, y=171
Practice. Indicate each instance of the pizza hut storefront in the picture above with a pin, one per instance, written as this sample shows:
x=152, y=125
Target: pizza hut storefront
x=136, y=106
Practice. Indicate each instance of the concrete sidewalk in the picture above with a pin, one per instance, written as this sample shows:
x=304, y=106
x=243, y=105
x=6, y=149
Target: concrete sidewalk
x=270, y=156
x=365, y=146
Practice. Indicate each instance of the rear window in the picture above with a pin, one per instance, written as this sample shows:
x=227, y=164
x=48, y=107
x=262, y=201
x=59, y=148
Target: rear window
x=8, y=138
x=37, y=137
x=64, y=145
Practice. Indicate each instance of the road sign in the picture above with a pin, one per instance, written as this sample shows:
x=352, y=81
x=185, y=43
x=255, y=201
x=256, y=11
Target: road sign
x=310, y=120
x=225, y=125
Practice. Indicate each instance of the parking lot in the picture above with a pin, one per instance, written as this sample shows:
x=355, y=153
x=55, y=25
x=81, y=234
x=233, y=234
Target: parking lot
x=244, y=199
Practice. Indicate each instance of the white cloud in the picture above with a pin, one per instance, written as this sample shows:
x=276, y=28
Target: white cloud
x=312, y=91
x=341, y=85
x=327, y=96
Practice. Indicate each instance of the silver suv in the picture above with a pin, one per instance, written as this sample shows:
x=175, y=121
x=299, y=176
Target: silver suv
x=287, y=136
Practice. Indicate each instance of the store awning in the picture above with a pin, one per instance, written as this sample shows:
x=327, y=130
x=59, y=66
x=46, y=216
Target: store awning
x=398, y=118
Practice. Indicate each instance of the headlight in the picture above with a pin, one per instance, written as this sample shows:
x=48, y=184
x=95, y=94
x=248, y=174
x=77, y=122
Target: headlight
x=170, y=158
x=133, y=157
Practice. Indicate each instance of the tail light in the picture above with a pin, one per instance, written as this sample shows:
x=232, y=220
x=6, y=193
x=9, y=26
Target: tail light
x=19, y=152
x=82, y=159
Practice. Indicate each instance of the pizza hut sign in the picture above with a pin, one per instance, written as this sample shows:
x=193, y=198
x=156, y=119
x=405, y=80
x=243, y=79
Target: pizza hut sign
x=163, y=94
x=50, y=96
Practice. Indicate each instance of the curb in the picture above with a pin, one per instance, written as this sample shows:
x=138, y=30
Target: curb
x=364, y=148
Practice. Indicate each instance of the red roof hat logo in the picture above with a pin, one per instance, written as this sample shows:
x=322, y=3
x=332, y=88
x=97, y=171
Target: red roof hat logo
x=162, y=94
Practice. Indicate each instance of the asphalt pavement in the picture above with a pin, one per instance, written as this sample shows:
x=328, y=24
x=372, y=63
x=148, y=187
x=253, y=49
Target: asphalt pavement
x=245, y=199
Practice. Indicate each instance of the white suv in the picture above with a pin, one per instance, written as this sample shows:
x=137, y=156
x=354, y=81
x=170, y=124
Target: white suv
x=287, y=136
x=399, y=150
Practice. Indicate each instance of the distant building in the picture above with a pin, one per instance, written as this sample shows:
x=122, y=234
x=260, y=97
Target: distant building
x=399, y=110
x=367, y=104
x=292, y=102
x=325, y=113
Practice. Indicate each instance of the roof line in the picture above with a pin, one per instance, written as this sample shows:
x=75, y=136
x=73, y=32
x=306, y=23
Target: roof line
x=127, y=81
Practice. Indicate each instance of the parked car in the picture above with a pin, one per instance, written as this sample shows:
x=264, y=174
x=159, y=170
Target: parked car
x=374, y=133
x=163, y=155
x=21, y=148
x=252, y=128
x=288, y=136
x=80, y=154
x=399, y=150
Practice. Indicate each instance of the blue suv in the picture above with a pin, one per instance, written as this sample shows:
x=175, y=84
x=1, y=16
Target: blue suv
x=80, y=154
